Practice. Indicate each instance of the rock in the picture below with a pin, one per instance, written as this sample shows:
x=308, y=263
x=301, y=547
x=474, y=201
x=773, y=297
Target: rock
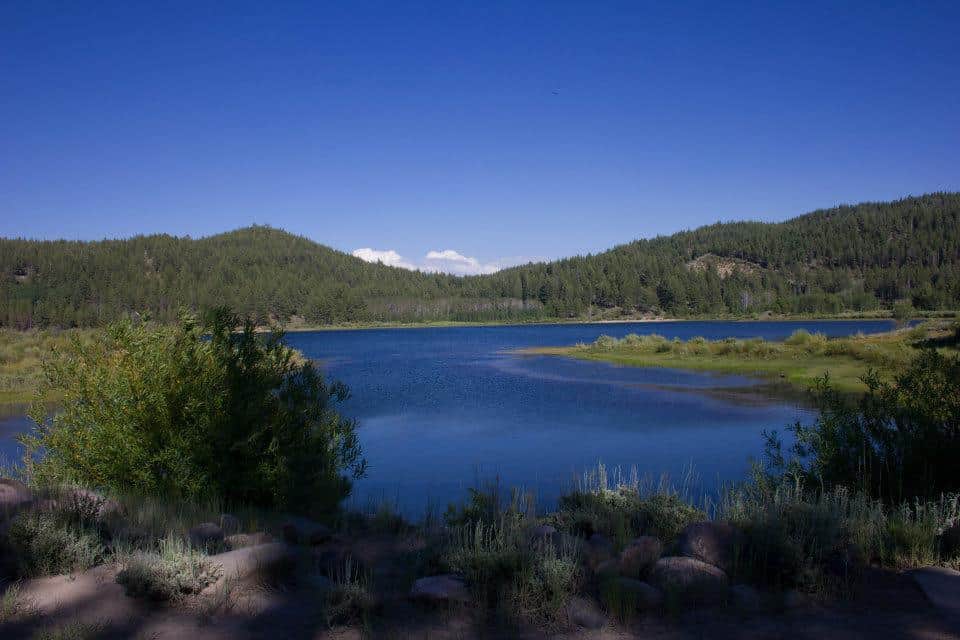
x=950, y=541
x=644, y=596
x=542, y=532
x=262, y=560
x=205, y=536
x=585, y=613
x=690, y=579
x=607, y=569
x=440, y=589
x=597, y=550
x=745, y=598
x=13, y=495
x=240, y=540
x=641, y=554
x=711, y=542
x=230, y=524
x=305, y=531
x=942, y=588
x=794, y=600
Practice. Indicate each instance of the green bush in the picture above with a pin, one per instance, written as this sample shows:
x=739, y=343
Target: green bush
x=195, y=410
x=899, y=442
x=169, y=574
x=47, y=543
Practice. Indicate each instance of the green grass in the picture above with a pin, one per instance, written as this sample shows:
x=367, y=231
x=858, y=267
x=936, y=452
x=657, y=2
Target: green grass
x=800, y=360
x=22, y=354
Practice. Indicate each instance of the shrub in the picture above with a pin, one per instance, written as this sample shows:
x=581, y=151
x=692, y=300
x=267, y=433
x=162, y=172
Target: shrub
x=349, y=600
x=47, y=543
x=196, y=410
x=172, y=572
x=900, y=441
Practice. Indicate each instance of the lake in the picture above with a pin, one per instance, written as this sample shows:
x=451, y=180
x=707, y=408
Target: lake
x=442, y=408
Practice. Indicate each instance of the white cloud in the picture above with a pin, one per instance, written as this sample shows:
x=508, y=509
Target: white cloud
x=450, y=261
x=389, y=257
x=445, y=261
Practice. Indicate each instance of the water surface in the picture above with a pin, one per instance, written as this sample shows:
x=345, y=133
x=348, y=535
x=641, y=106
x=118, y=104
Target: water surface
x=440, y=408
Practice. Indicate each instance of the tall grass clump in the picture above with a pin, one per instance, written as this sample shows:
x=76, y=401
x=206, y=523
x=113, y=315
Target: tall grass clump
x=350, y=599
x=173, y=571
x=195, y=410
x=489, y=543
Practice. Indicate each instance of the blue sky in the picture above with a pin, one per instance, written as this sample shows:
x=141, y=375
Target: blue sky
x=498, y=131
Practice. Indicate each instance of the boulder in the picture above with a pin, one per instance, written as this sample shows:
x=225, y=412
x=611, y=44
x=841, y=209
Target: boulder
x=689, y=579
x=644, y=596
x=305, y=531
x=639, y=556
x=745, y=598
x=240, y=540
x=712, y=542
x=608, y=569
x=262, y=560
x=230, y=524
x=13, y=495
x=950, y=540
x=794, y=599
x=598, y=549
x=442, y=589
x=206, y=535
x=585, y=613
x=542, y=532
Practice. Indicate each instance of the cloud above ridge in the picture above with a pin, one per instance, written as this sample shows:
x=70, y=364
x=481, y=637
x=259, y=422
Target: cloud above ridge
x=442, y=261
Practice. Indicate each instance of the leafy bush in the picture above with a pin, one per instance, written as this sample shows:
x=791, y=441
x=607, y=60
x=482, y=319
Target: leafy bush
x=196, y=410
x=900, y=441
x=170, y=573
x=47, y=543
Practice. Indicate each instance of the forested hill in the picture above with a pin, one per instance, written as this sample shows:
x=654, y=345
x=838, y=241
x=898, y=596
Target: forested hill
x=854, y=258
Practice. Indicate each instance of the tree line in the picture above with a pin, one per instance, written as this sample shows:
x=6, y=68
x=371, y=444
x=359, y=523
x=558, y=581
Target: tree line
x=849, y=258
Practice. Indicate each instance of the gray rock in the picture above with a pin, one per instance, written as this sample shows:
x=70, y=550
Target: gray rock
x=13, y=496
x=440, y=589
x=639, y=556
x=794, y=600
x=240, y=540
x=942, y=588
x=644, y=596
x=585, y=613
x=598, y=549
x=950, y=540
x=607, y=569
x=713, y=542
x=230, y=524
x=206, y=535
x=745, y=598
x=298, y=530
x=542, y=532
x=690, y=579
x=263, y=560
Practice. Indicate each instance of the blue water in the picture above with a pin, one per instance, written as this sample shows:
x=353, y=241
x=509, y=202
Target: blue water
x=440, y=409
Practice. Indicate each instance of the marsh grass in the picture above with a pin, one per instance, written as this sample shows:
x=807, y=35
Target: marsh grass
x=71, y=631
x=801, y=359
x=22, y=354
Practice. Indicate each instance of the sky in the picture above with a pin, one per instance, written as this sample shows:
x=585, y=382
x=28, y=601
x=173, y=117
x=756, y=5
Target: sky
x=467, y=136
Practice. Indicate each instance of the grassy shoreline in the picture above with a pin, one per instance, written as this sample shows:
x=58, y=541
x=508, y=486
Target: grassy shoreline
x=800, y=360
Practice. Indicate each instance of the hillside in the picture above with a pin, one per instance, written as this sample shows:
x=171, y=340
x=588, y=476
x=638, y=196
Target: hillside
x=852, y=258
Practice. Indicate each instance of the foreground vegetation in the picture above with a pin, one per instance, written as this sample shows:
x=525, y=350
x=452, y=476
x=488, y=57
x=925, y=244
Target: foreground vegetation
x=850, y=259
x=802, y=359
x=133, y=481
